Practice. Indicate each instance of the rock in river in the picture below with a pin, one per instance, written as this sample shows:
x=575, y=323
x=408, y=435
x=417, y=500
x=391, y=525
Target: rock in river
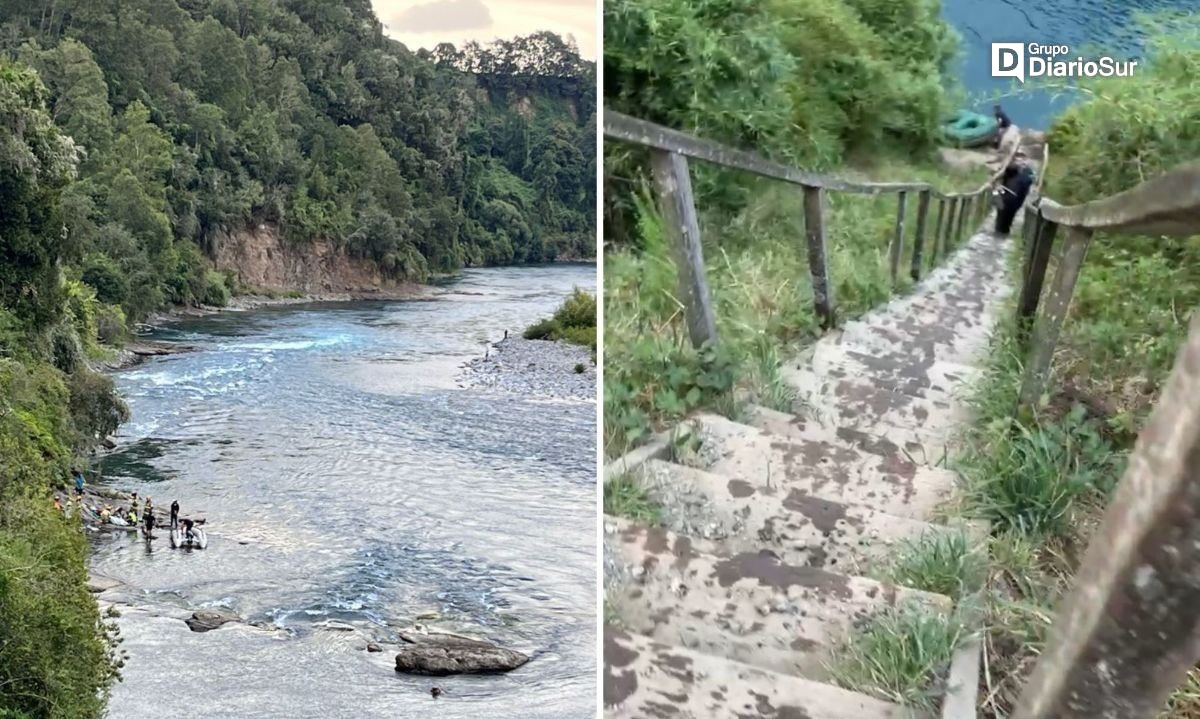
x=444, y=654
x=204, y=620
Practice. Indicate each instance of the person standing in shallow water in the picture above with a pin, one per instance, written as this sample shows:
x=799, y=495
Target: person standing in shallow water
x=174, y=514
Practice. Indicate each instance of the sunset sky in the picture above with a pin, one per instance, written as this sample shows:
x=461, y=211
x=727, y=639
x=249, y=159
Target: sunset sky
x=425, y=23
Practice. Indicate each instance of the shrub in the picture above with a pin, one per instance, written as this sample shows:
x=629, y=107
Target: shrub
x=96, y=410
x=103, y=275
x=216, y=293
x=542, y=330
x=585, y=336
x=574, y=321
x=110, y=325
x=578, y=310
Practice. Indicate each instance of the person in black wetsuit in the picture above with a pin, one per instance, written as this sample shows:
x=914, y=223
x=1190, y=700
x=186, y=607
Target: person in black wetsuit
x=187, y=531
x=148, y=520
x=174, y=514
x=1015, y=186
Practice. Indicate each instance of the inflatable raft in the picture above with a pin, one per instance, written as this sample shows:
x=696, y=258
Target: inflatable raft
x=199, y=539
x=970, y=129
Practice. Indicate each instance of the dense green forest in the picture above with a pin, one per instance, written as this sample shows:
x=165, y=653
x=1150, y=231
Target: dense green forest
x=55, y=651
x=194, y=116
x=136, y=133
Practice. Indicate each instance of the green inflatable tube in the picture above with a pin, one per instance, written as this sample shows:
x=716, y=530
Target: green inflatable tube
x=970, y=129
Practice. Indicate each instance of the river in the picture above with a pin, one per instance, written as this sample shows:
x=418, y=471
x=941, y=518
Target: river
x=1106, y=26
x=349, y=482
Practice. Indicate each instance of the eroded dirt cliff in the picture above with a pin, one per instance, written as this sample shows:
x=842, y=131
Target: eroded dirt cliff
x=262, y=261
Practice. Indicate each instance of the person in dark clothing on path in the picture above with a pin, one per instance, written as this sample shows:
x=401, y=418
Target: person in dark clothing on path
x=1014, y=188
x=174, y=514
x=1002, y=124
x=149, y=522
x=1002, y=120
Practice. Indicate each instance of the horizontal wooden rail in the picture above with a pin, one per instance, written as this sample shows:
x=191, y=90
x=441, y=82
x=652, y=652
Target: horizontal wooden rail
x=648, y=134
x=1165, y=205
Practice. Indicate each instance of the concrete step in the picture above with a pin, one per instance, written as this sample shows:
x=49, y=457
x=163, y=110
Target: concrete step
x=918, y=447
x=924, y=343
x=644, y=678
x=893, y=483
x=807, y=381
x=800, y=529
x=751, y=607
x=861, y=404
x=978, y=263
x=918, y=376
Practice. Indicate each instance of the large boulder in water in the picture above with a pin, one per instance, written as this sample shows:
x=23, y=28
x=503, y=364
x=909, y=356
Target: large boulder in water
x=204, y=620
x=440, y=655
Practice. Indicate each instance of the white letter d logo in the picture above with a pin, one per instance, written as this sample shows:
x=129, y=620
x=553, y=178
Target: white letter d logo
x=1008, y=60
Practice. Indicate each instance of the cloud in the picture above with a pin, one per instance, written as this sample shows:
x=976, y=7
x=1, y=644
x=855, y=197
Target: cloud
x=498, y=19
x=443, y=16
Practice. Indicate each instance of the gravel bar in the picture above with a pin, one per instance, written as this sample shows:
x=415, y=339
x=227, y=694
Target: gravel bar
x=535, y=368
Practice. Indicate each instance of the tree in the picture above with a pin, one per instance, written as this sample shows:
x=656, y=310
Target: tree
x=35, y=165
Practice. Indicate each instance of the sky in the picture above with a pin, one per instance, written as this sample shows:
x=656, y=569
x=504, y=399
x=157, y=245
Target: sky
x=425, y=23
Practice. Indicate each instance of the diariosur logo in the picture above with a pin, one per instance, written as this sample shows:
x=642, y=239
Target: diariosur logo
x=1022, y=60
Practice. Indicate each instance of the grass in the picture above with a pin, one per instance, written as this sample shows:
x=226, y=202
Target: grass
x=943, y=563
x=902, y=655
x=624, y=497
x=757, y=271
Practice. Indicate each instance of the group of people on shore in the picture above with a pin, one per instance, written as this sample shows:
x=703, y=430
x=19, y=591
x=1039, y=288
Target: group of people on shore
x=137, y=511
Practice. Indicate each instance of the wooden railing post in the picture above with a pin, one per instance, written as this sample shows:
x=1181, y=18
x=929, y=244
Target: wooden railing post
x=1041, y=234
x=898, y=238
x=1129, y=631
x=683, y=235
x=818, y=259
x=1045, y=335
x=937, y=233
x=964, y=210
x=949, y=229
x=919, y=235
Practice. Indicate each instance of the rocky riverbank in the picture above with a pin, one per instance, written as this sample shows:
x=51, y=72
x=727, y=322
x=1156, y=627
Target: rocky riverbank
x=536, y=368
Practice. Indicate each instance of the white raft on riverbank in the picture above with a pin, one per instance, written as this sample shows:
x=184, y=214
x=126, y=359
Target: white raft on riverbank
x=199, y=539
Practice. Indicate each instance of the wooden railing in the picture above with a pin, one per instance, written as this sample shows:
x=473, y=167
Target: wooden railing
x=670, y=151
x=1129, y=631
x=1166, y=205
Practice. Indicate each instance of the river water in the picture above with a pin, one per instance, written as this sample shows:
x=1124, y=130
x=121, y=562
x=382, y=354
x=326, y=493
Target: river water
x=1089, y=27
x=350, y=483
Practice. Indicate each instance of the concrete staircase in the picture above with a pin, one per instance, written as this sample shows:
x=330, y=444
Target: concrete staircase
x=731, y=609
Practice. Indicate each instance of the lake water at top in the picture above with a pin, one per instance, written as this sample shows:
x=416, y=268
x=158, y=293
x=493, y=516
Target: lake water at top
x=1107, y=27
x=348, y=481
